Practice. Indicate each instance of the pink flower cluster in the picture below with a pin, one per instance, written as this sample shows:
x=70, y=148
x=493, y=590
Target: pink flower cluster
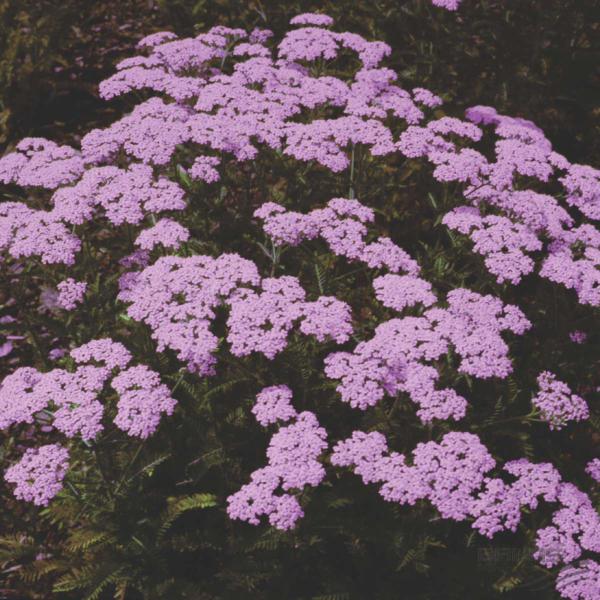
x=580, y=582
x=593, y=469
x=447, y=4
x=523, y=154
x=578, y=337
x=39, y=475
x=574, y=529
x=403, y=291
x=166, y=233
x=274, y=404
x=124, y=195
x=257, y=101
x=452, y=476
x=72, y=401
x=502, y=242
x=293, y=464
x=178, y=297
x=70, y=293
x=556, y=403
x=395, y=359
x=143, y=399
x=342, y=225
x=38, y=162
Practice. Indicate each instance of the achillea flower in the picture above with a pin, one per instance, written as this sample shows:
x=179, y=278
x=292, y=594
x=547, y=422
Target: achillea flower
x=39, y=474
x=578, y=337
x=70, y=293
x=580, y=581
x=274, y=404
x=293, y=464
x=319, y=20
x=19, y=401
x=582, y=184
x=400, y=292
x=327, y=318
x=165, y=232
x=143, y=399
x=447, y=4
x=204, y=169
x=105, y=351
x=41, y=163
x=593, y=469
x=575, y=528
x=557, y=403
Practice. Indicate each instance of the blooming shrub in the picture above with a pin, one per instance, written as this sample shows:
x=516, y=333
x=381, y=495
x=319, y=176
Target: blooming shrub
x=245, y=223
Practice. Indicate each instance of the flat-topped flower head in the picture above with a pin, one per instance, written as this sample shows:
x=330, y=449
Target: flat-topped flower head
x=557, y=404
x=39, y=475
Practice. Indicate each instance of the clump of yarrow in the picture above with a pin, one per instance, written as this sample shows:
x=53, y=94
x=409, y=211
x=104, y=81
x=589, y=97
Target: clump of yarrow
x=232, y=95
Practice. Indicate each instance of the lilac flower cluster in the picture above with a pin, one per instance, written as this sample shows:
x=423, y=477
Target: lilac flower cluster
x=142, y=401
x=39, y=474
x=342, y=224
x=38, y=162
x=556, y=403
x=522, y=154
x=447, y=4
x=579, y=582
x=403, y=291
x=502, y=242
x=256, y=101
x=578, y=336
x=593, y=469
x=166, y=232
x=274, y=404
x=574, y=529
x=226, y=94
x=72, y=402
x=25, y=233
x=70, y=293
x=125, y=195
x=452, y=476
x=177, y=298
x=293, y=464
x=394, y=360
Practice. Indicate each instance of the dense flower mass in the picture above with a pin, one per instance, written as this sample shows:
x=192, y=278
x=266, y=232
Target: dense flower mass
x=214, y=104
x=39, y=474
x=142, y=401
x=452, y=476
x=293, y=464
x=556, y=402
x=274, y=404
x=395, y=358
x=70, y=293
x=71, y=402
x=178, y=299
x=580, y=581
x=342, y=224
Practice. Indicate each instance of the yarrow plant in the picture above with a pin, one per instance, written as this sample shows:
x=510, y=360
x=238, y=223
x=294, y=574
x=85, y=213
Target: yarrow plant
x=171, y=231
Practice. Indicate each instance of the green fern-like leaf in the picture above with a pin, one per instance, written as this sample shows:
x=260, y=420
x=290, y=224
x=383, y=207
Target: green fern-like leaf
x=103, y=582
x=15, y=547
x=82, y=539
x=76, y=580
x=38, y=569
x=179, y=506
